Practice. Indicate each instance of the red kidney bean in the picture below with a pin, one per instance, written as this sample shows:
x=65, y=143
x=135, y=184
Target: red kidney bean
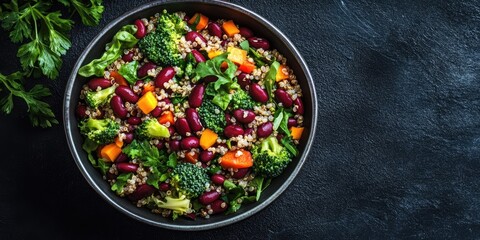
x=191, y=36
x=193, y=119
x=164, y=76
x=210, y=79
x=94, y=83
x=299, y=103
x=164, y=186
x=208, y=197
x=258, y=93
x=214, y=29
x=248, y=131
x=140, y=29
x=160, y=145
x=206, y=156
x=171, y=130
x=189, y=143
x=127, y=167
x=244, y=116
x=257, y=42
x=134, y=120
x=245, y=32
x=118, y=108
x=240, y=173
x=243, y=81
x=283, y=97
x=196, y=96
x=166, y=101
x=174, y=145
x=122, y=157
x=141, y=191
x=186, y=18
x=198, y=56
x=233, y=131
x=228, y=119
x=218, y=179
x=157, y=111
x=182, y=126
x=128, y=57
x=81, y=111
x=292, y=122
x=128, y=138
x=219, y=206
x=126, y=93
x=224, y=43
x=265, y=129
x=143, y=70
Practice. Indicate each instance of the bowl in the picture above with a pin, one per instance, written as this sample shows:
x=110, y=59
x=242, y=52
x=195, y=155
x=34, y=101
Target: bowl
x=215, y=9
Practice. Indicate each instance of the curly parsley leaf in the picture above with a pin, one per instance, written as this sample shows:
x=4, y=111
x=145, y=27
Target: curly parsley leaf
x=39, y=112
x=120, y=182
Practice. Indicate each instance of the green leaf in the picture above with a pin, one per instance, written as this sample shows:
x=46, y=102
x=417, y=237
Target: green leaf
x=50, y=63
x=120, y=182
x=278, y=117
x=245, y=45
x=7, y=104
x=123, y=39
x=287, y=142
x=172, y=160
x=90, y=13
x=270, y=78
x=129, y=72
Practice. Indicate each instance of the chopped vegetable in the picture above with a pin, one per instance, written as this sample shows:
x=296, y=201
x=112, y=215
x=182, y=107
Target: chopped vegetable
x=247, y=67
x=198, y=21
x=208, y=139
x=148, y=87
x=110, y=152
x=147, y=102
x=270, y=78
x=151, y=128
x=281, y=75
x=213, y=54
x=118, y=78
x=237, y=55
x=230, y=28
x=167, y=117
x=129, y=71
x=296, y=132
x=236, y=159
x=191, y=157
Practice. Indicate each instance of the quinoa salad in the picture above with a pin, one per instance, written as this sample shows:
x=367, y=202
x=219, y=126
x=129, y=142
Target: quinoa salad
x=189, y=116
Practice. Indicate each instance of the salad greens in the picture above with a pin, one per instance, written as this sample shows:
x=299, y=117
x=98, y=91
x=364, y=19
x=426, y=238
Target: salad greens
x=129, y=72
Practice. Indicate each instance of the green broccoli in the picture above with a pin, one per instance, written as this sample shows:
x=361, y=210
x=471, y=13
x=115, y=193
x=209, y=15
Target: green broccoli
x=96, y=99
x=242, y=100
x=100, y=131
x=189, y=179
x=151, y=128
x=161, y=45
x=212, y=116
x=270, y=158
x=179, y=205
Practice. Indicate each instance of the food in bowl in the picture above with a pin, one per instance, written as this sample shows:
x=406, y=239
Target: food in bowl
x=189, y=116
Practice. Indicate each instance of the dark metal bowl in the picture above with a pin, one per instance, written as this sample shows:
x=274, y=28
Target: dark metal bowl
x=215, y=9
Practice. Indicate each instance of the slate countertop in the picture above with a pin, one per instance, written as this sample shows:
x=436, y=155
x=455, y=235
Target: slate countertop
x=396, y=153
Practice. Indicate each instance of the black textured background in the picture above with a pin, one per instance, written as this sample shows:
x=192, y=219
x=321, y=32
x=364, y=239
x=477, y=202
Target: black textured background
x=397, y=149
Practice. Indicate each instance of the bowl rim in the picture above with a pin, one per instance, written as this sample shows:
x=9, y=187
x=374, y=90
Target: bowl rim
x=236, y=217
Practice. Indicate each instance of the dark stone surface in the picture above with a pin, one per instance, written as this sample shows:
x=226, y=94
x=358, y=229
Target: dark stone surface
x=397, y=150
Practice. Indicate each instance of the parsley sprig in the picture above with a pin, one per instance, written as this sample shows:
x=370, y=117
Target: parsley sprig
x=43, y=35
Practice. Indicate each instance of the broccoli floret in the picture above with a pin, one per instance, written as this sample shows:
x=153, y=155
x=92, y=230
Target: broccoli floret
x=189, y=179
x=100, y=131
x=161, y=45
x=179, y=205
x=96, y=99
x=151, y=128
x=270, y=158
x=242, y=100
x=212, y=116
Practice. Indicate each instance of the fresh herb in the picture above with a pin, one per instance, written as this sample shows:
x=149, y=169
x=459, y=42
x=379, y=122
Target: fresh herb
x=178, y=99
x=258, y=58
x=44, y=37
x=89, y=13
x=153, y=158
x=39, y=112
x=270, y=78
x=281, y=120
x=120, y=182
x=123, y=39
x=129, y=71
x=260, y=184
x=222, y=88
x=235, y=196
x=287, y=142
